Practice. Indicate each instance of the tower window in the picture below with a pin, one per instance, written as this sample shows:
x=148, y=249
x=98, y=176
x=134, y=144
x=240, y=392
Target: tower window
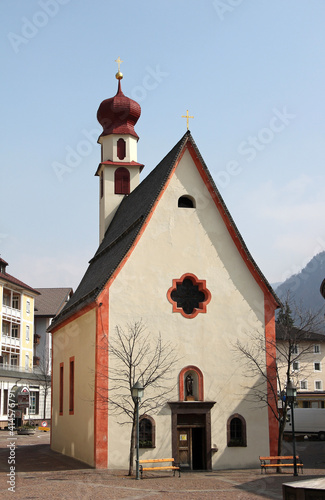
x=122, y=181
x=101, y=184
x=121, y=149
x=186, y=202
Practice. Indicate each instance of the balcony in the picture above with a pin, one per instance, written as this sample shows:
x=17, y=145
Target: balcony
x=4, y=367
x=8, y=341
x=11, y=313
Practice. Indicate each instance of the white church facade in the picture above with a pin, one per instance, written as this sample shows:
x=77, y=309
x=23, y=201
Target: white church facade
x=170, y=255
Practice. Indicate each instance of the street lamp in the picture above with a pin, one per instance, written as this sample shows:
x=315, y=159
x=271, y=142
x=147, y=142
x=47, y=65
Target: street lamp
x=291, y=397
x=137, y=393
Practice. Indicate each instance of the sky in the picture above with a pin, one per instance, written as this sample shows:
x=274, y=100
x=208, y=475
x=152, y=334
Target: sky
x=252, y=74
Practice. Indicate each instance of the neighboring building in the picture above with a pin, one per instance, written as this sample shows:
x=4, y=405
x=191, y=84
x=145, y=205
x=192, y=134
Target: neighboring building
x=171, y=255
x=17, y=340
x=307, y=368
x=48, y=304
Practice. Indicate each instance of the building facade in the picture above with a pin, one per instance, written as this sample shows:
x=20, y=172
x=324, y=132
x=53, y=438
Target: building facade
x=16, y=341
x=307, y=368
x=171, y=256
x=25, y=356
x=48, y=304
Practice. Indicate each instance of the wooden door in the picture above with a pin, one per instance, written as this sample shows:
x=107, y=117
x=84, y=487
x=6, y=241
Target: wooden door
x=184, y=448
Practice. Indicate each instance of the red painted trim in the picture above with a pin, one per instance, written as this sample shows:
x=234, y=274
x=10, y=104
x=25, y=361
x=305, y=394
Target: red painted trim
x=74, y=316
x=71, y=385
x=270, y=342
x=181, y=379
x=201, y=284
x=227, y=222
x=101, y=382
x=120, y=164
x=61, y=388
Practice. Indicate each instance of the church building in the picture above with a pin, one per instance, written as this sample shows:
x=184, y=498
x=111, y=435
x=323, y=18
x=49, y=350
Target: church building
x=170, y=256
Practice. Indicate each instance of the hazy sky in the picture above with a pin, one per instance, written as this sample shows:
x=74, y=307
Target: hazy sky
x=250, y=71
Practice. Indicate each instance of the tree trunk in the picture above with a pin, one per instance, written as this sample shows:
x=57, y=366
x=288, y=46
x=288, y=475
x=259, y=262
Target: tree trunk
x=44, y=406
x=282, y=424
x=132, y=444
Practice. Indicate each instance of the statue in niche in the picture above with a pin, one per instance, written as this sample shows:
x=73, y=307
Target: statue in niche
x=189, y=385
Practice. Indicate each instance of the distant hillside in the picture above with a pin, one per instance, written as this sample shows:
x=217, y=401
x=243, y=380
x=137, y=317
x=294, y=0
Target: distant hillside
x=304, y=286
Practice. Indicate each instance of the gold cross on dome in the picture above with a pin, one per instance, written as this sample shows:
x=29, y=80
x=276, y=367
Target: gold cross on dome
x=119, y=61
x=187, y=118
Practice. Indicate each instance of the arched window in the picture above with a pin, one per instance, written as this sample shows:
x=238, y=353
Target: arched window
x=236, y=431
x=122, y=181
x=147, y=432
x=186, y=202
x=191, y=384
x=121, y=149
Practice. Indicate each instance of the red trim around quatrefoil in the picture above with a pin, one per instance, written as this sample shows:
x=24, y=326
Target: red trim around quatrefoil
x=201, y=284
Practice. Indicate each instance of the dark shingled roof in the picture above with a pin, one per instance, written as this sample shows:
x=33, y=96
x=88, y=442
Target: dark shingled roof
x=297, y=335
x=14, y=281
x=125, y=226
x=51, y=301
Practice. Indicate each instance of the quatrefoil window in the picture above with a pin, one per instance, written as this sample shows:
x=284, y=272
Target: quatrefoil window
x=189, y=296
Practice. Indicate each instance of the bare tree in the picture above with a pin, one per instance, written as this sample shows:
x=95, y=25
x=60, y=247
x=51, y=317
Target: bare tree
x=269, y=389
x=43, y=376
x=138, y=356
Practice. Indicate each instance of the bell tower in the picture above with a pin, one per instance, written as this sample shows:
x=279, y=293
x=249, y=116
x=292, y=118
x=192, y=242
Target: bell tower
x=118, y=171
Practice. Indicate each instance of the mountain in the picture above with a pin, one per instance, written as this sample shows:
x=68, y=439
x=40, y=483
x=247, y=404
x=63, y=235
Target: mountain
x=304, y=287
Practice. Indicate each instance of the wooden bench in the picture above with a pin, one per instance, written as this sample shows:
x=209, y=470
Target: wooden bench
x=281, y=461
x=158, y=461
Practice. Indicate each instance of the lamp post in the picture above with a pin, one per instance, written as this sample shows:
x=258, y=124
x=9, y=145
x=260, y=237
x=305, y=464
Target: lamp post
x=291, y=396
x=137, y=393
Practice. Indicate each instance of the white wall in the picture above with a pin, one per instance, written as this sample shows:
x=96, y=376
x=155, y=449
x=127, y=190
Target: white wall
x=178, y=241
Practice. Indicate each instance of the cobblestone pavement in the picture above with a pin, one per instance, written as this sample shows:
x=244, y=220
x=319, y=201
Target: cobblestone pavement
x=43, y=474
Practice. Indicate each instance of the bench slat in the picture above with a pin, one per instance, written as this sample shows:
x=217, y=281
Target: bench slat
x=160, y=468
x=279, y=465
x=155, y=460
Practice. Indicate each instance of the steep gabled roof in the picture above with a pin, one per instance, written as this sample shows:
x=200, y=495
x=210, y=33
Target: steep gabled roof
x=51, y=301
x=127, y=223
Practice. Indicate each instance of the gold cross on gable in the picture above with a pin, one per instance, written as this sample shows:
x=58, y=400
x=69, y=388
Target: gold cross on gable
x=119, y=61
x=187, y=116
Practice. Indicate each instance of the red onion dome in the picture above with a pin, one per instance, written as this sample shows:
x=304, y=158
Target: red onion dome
x=119, y=114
